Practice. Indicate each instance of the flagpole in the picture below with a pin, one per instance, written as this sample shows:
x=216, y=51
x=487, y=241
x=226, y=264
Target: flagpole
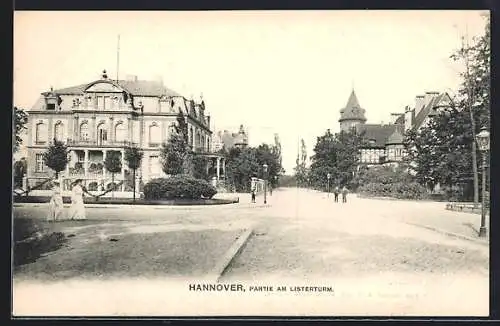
x=118, y=59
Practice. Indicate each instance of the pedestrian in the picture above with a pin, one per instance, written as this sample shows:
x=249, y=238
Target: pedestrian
x=344, y=194
x=55, y=204
x=253, y=188
x=77, y=208
x=336, y=192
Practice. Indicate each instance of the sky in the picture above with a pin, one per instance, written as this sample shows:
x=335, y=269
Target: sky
x=285, y=72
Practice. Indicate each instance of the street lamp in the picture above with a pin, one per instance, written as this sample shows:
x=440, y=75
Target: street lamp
x=483, y=142
x=328, y=176
x=265, y=182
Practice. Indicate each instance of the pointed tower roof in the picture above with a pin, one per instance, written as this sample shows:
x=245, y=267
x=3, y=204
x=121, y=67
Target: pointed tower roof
x=352, y=110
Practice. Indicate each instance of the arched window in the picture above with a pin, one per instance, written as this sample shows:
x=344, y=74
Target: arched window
x=102, y=134
x=120, y=132
x=59, y=131
x=154, y=135
x=84, y=131
x=198, y=140
x=41, y=134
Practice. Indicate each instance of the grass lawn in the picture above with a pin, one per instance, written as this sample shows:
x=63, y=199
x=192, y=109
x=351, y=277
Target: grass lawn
x=102, y=249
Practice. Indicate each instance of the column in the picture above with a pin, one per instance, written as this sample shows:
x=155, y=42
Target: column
x=86, y=162
x=218, y=166
x=111, y=130
x=104, y=152
x=70, y=154
x=76, y=129
x=224, y=167
x=129, y=128
x=123, y=170
x=194, y=138
x=93, y=131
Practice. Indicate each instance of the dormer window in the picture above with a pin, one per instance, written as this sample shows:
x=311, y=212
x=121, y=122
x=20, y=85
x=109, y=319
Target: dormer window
x=51, y=106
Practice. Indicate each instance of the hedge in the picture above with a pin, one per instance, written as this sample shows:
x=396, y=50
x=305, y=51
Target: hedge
x=178, y=186
x=400, y=190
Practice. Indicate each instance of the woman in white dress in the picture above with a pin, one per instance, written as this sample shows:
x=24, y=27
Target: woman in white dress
x=55, y=204
x=77, y=208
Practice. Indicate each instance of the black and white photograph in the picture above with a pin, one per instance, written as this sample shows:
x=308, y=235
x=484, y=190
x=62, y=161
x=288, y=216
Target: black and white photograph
x=251, y=163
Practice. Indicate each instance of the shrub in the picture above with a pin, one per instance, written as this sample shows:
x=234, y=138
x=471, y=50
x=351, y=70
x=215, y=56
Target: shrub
x=400, y=190
x=178, y=186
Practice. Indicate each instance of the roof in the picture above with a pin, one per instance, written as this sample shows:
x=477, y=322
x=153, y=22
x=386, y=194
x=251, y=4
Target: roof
x=377, y=132
x=395, y=138
x=429, y=109
x=135, y=87
x=352, y=110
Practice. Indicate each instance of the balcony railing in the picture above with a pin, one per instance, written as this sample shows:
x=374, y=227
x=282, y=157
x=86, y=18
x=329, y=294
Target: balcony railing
x=77, y=142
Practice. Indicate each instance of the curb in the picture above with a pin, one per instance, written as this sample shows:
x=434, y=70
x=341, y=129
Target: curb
x=230, y=254
x=45, y=205
x=451, y=234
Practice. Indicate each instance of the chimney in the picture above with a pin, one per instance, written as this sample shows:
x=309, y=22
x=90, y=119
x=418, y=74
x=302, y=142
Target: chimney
x=408, y=118
x=428, y=97
x=419, y=103
x=131, y=78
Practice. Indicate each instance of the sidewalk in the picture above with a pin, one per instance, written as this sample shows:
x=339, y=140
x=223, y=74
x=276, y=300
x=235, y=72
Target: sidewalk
x=457, y=224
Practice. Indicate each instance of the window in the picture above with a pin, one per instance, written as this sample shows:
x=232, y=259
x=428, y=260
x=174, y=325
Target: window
x=102, y=134
x=120, y=132
x=51, y=106
x=154, y=135
x=100, y=102
x=59, y=131
x=108, y=103
x=41, y=134
x=40, y=164
x=84, y=131
x=154, y=164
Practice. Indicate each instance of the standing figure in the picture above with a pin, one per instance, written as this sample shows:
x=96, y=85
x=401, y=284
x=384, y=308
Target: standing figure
x=55, y=204
x=344, y=194
x=253, y=188
x=77, y=208
x=336, y=192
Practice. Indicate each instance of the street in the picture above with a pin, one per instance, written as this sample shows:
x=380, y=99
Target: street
x=363, y=249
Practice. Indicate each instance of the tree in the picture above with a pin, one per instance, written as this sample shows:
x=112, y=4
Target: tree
x=56, y=157
x=338, y=155
x=301, y=171
x=200, y=163
x=113, y=164
x=173, y=154
x=20, y=120
x=133, y=156
x=475, y=89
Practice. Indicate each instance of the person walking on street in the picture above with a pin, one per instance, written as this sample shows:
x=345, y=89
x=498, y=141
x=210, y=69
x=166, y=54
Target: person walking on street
x=253, y=186
x=336, y=192
x=55, y=204
x=344, y=194
x=77, y=208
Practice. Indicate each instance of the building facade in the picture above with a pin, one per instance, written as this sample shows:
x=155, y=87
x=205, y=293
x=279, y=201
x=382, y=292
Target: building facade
x=385, y=141
x=227, y=140
x=107, y=115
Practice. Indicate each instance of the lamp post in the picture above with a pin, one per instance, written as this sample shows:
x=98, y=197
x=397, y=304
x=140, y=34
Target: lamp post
x=328, y=176
x=483, y=142
x=265, y=183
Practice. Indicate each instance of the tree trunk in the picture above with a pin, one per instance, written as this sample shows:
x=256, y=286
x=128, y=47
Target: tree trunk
x=133, y=173
x=474, y=159
x=113, y=185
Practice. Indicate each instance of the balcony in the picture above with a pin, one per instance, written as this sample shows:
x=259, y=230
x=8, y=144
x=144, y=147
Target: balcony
x=95, y=143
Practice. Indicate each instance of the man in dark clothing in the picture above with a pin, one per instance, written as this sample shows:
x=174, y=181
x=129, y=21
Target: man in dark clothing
x=344, y=194
x=336, y=192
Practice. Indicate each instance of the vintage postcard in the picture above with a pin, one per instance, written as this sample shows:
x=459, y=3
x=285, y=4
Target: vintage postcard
x=251, y=163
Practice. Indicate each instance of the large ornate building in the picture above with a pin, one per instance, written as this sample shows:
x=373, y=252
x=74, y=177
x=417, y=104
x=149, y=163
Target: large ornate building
x=109, y=115
x=228, y=140
x=385, y=141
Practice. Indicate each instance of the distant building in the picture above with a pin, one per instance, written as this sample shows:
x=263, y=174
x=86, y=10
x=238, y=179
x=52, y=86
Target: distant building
x=385, y=141
x=228, y=140
x=108, y=115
